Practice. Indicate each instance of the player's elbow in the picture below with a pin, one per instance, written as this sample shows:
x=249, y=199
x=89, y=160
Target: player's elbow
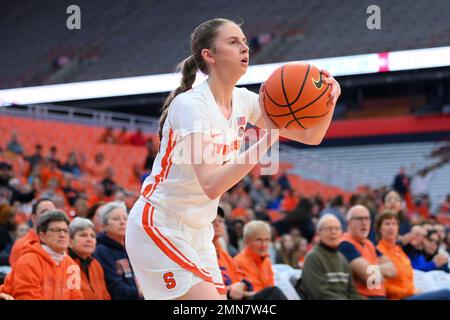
x=211, y=192
x=314, y=142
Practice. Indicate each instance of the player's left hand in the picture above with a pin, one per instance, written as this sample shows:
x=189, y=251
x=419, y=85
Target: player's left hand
x=335, y=91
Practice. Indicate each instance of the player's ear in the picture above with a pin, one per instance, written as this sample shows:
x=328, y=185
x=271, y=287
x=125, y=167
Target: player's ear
x=207, y=55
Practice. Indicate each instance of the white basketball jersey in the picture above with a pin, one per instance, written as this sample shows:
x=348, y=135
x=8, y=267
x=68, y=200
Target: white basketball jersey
x=172, y=186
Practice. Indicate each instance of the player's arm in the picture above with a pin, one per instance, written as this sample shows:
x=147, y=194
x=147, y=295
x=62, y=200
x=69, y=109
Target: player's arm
x=312, y=136
x=216, y=178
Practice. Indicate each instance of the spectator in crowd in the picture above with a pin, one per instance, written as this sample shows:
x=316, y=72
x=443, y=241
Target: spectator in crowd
x=7, y=226
x=137, y=175
x=82, y=246
x=98, y=195
x=402, y=285
x=45, y=271
x=261, y=212
x=111, y=254
x=393, y=202
x=447, y=240
x=52, y=157
x=238, y=288
x=431, y=252
x=37, y=157
x=109, y=185
x=14, y=144
x=326, y=273
x=445, y=206
x=70, y=193
x=52, y=189
x=11, y=192
x=364, y=259
x=108, y=136
x=39, y=208
x=289, y=201
x=401, y=183
x=97, y=169
x=258, y=192
x=51, y=171
x=18, y=231
x=302, y=250
x=300, y=218
x=254, y=260
x=412, y=245
x=94, y=216
x=338, y=209
x=236, y=236
x=288, y=252
x=138, y=139
x=71, y=165
x=81, y=207
x=122, y=136
x=152, y=151
x=440, y=229
x=283, y=180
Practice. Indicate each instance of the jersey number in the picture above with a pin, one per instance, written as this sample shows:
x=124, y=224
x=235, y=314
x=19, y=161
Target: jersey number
x=169, y=280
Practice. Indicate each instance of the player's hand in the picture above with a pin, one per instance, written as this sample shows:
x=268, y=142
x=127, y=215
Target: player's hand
x=335, y=91
x=269, y=124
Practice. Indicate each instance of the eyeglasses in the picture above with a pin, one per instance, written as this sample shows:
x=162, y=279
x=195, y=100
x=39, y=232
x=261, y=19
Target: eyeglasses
x=432, y=240
x=58, y=230
x=330, y=229
x=361, y=219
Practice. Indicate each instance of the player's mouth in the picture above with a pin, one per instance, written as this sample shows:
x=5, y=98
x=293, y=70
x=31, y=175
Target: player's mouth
x=245, y=61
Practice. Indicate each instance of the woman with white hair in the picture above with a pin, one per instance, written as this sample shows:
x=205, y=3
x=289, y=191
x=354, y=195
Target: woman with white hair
x=111, y=254
x=82, y=246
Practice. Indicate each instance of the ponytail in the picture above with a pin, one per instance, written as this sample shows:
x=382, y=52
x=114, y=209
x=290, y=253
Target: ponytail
x=188, y=68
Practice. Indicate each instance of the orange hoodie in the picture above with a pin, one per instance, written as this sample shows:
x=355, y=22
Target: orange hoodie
x=255, y=269
x=17, y=250
x=36, y=276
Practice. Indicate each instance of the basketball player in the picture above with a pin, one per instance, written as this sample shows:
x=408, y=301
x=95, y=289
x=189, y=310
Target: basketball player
x=169, y=231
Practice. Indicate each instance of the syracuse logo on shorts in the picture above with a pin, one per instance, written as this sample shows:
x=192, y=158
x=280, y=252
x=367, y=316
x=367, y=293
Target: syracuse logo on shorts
x=169, y=280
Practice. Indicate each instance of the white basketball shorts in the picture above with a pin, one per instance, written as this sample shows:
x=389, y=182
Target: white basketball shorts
x=169, y=257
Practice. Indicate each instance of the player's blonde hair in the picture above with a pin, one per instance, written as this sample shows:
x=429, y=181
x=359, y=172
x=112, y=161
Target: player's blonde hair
x=202, y=38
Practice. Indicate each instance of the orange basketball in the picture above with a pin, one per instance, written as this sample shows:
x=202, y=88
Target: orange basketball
x=296, y=97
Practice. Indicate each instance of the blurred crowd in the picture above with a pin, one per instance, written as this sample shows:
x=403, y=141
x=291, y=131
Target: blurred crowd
x=70, y=214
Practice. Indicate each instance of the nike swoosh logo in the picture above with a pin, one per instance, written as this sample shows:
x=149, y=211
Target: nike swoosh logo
x=318, y=83
x=215, y=135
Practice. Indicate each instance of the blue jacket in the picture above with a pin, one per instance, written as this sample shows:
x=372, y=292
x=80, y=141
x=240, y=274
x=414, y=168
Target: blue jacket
x=420, y=262
x=119, y=276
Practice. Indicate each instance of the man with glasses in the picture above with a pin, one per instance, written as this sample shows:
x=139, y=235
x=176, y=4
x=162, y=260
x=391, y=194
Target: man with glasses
x=326, y=273
x=45, y=271
x=368, y=266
